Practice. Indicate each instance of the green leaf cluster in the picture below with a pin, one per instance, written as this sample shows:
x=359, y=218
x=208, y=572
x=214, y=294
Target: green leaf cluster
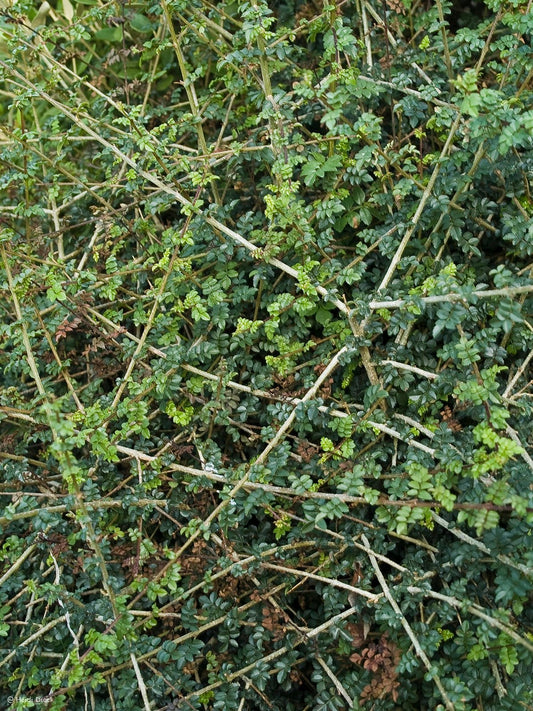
x=265, y=355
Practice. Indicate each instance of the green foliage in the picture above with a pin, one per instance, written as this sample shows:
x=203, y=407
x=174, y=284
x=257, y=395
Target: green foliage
x=265, y=348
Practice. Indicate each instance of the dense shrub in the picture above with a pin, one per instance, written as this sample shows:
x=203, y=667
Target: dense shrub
x=265, y=404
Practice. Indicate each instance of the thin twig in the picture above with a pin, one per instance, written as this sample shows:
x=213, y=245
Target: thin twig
x=458, y=533
x=508, y=390
x=16, y=565
x=440, y=298
x=421, y=205
x=321, y=579
x=340, y=688
x=140, y=681
x=407, y=627
x=476, y=611
x=411, y=368
x=36, y=635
